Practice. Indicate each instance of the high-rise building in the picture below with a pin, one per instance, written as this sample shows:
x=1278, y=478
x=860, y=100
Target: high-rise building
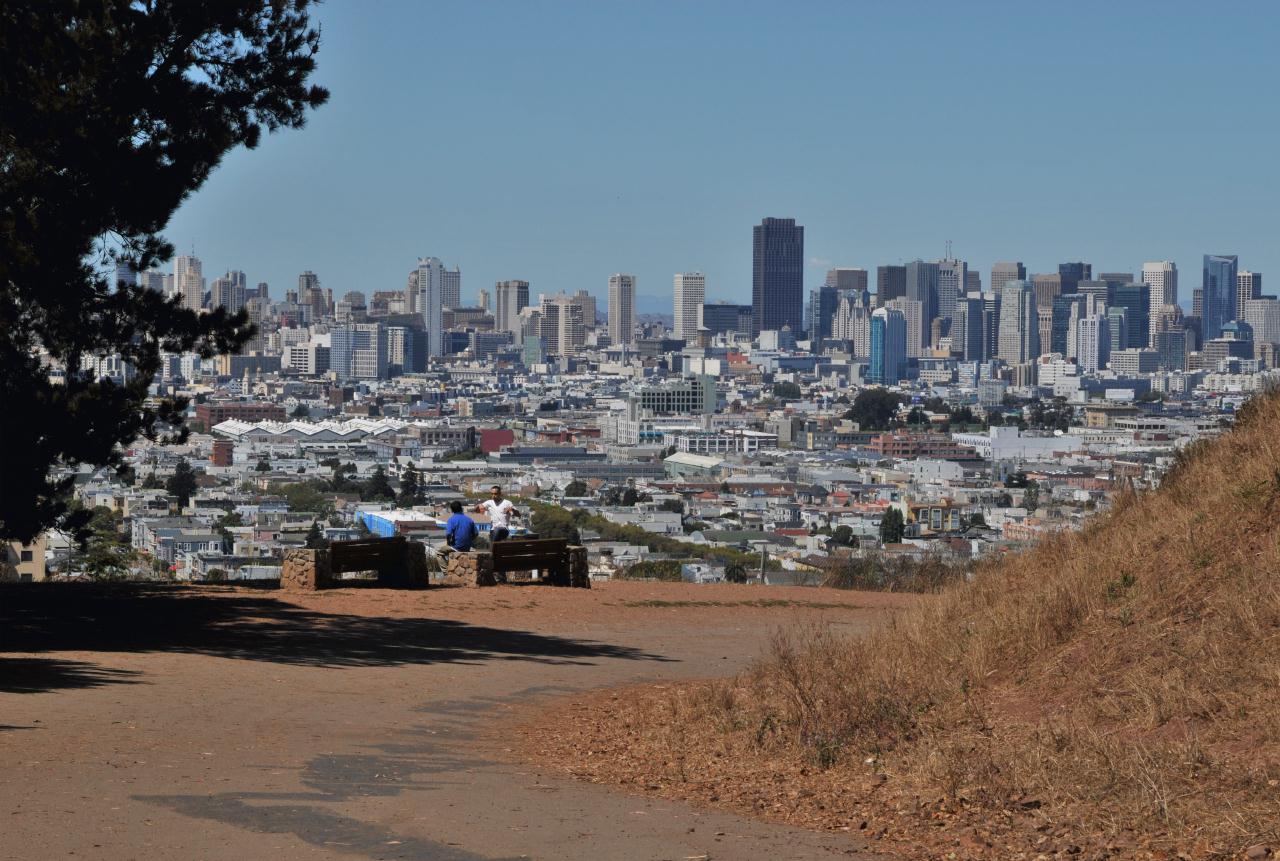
x=1019, y=323
x=1048, y=288
x=229, y=291
x=485, y=298
x=188, y=282
x=1162, y=277
x=400, y=356
x=622, y=309
x=722, y=318
x=1005, y=271
x=847, y=278
x=358, y=351
x=588, y=303
x=990, y=324
x=689, y=295
x=891, y=283
x=429, y=290
x=888, y=346
x=922, y=287
x=1044, y=328
x=1135, y=299
x=1220, y=285
x=1248, y=286
x=1263, y=316
x=1073, y=273
x=1066, y=311
x=912, y=311
x=852, y=322
x=966, y=328
x=953, y=278
x=972, y=281
x=1093, y=343
x=451, y=287
x=563, y=331
x=777, y=275
x=510, y=298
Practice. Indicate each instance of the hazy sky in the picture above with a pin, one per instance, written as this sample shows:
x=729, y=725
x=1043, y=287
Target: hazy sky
x=562, y=142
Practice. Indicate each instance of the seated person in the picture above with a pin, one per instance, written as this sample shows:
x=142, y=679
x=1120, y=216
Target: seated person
x=460, y=530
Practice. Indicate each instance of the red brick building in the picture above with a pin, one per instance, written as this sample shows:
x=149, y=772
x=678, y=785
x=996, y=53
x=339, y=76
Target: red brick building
x=208, y=415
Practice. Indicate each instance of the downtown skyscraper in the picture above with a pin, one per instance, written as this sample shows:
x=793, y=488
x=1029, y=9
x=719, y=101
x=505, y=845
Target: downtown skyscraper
x=689, y=293
x=777, y=275
x=509, y=299
x=622, y=309
x=1219, y=284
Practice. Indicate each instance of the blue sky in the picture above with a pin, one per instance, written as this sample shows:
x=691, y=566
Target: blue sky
x=562, y=142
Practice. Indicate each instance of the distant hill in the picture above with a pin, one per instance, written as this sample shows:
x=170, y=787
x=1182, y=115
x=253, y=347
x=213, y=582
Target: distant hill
x=1111, y=693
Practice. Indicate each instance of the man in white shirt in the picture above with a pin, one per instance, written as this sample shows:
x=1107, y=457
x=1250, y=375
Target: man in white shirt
x=500, y=512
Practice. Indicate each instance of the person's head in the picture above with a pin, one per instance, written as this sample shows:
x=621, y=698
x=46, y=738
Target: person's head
x=455, y=507
x=496, y=493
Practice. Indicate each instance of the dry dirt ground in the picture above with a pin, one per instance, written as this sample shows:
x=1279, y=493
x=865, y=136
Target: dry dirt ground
x=165, y=722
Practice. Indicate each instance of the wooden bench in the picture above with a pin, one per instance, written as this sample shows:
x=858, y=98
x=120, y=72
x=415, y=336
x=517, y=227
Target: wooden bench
x=547, y=555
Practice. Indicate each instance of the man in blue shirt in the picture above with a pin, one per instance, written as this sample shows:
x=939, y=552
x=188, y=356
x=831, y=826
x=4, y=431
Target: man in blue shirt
x=460, y=530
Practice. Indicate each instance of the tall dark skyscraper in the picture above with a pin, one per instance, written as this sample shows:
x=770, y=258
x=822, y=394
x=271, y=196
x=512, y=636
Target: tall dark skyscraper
x=777, y=275
x=1072, y=274
x=891, y=283
x=1220, y=284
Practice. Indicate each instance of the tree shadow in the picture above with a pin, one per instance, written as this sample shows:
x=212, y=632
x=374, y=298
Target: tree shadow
x=232, y=624
x=37, y=675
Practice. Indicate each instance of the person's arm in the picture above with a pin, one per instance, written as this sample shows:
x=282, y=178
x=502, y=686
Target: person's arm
x=450, y=532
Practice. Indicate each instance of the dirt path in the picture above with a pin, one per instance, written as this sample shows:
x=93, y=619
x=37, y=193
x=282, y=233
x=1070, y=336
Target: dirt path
x=242, y=725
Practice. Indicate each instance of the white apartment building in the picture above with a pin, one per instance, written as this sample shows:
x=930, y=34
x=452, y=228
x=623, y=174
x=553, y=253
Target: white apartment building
x=622, y=309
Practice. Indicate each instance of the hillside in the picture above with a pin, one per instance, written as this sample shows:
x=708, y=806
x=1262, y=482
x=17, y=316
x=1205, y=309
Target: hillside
x=1111, y=693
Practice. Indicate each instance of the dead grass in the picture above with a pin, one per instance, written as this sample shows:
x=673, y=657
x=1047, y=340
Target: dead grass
x=1110, y=693
x=760, y=602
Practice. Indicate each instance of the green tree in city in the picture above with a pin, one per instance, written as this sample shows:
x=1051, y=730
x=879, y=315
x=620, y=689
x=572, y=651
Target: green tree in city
x=182, y=483
x=576, y=488
x=300, y=412
x=104, y=554
x=892, y=527
x=874, y=408
x=844, y=536
x=378, y=487
x=315, y=537
x=264, y=465
x=113, y=113
x=408, y=497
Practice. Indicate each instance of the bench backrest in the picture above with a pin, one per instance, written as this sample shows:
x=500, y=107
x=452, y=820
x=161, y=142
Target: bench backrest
x=524, y=555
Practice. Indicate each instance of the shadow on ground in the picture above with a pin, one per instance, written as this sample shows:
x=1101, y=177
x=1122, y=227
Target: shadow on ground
x=232, y=624
x=34, y=675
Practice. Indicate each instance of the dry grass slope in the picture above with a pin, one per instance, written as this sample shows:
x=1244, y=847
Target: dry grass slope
x=1111, y=693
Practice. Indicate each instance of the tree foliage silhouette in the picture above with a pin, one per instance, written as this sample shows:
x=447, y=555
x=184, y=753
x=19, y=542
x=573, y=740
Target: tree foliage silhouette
x=111, y=113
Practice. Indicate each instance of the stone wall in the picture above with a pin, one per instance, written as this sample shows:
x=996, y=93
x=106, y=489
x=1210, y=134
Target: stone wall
x=470, y=569
x=305, y=570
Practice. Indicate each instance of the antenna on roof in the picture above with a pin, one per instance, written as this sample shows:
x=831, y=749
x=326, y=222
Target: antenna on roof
x=948, y=249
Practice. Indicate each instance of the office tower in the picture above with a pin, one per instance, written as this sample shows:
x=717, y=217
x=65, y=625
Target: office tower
x=843, y=278
x=1263, y=316
x=358, y=351
x=126, y=276
x=588, y=303
x=1044, y=328
x=510, y=298
x=912, y=311
x=152, y=279
x=1248, y=286
x=1073, y=273
x=563, y=331
x=852, y=322
x=1019, y=323
x=888, y=346
x=891, y=283
x=1093, y=343
x=1162, y=277
x=689, y=295
x=721, y=318
x=777, y=275
x=922, y=287
x=622, y=309
x=966, y=328
x=1005, y=271
x=428, y=287
x=310, y=293
x=451, y=288
x=953, y=278
x=1047, y=288
x=972, y=282
x=1097, y=295
x=188, y=282
x=400, y=353
x=229, y=291
x=990, y=324
x=824, y=302
x=1066, y=310
x=1220, y=283
x=1135, y=299
x=484, y=300
x=1118, y=327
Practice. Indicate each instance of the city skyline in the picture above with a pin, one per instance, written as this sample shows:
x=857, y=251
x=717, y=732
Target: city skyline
x=593, y=186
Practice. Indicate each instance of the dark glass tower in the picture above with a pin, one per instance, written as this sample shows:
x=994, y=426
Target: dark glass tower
x=777, y=275
x=1072, y=274
x=1220, y=287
